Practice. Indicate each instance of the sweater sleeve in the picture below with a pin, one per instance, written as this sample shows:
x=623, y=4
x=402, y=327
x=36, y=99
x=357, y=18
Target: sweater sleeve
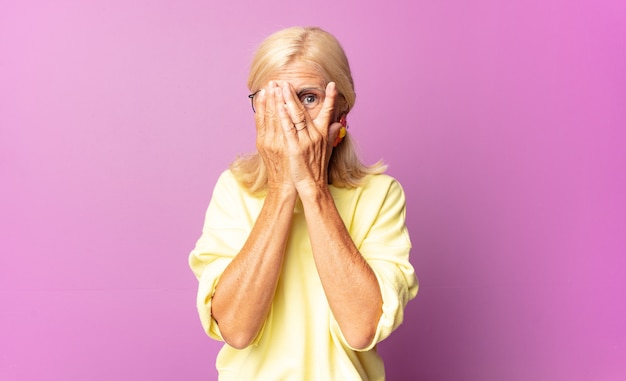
x=226, y=228
x=380, y=233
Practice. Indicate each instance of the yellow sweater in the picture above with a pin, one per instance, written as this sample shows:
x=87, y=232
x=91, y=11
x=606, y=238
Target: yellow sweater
x=300, y=339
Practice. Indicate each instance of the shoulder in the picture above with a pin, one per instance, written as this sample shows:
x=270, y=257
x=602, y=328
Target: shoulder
x=381, y=183
x=231, y=197
x=226, y=178
x=228, y=183
x=227, y=187
x=375, y=193
x=384, y=194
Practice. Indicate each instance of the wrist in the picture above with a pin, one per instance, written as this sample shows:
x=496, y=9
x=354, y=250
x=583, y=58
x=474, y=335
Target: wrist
x=285, y=191
x=311, y=191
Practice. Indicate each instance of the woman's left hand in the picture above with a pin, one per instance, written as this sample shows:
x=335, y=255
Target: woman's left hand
x=308, y=140
x=349, y=283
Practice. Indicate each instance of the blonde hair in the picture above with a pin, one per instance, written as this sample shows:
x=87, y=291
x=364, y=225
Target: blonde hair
x=319, y=48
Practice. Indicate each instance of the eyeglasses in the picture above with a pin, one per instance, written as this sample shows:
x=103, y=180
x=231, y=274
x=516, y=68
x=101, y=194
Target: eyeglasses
x=311, y=98
x=251, y=96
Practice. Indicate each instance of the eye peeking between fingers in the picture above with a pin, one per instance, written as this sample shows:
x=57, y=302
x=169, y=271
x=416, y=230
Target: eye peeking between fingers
x=311, y=98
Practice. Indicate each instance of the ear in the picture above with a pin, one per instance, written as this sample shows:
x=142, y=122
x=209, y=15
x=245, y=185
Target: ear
x=342, y=130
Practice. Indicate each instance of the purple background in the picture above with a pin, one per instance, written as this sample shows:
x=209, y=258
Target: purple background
x=504, y=120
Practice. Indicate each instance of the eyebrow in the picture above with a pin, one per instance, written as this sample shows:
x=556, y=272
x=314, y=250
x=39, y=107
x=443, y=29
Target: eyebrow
x=303, y=90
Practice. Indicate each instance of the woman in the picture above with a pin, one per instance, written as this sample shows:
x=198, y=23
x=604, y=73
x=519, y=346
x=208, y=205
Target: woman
x=303, y=260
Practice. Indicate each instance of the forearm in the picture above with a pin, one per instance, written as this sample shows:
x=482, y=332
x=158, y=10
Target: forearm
x=350, y=285
x=244, y=293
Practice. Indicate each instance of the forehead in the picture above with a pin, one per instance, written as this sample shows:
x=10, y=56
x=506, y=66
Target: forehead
x=300, y=74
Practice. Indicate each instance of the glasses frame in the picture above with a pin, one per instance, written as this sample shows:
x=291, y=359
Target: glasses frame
x=251, y=96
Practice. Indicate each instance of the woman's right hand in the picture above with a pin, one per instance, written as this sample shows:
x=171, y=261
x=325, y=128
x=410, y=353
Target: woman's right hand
x=270, y=140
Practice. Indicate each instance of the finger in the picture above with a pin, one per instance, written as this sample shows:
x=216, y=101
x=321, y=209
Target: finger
x=271, y=111
x=285, y=120
x=328, y=108
x=298, y=114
